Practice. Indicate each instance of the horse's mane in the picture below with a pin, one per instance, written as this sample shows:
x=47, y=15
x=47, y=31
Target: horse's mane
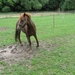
x=25, y=13
x=28, y=14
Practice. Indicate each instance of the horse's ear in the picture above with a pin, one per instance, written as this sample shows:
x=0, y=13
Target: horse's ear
x=24, y=14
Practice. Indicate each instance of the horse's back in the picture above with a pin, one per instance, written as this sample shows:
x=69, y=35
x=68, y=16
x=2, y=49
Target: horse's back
x=30, y=28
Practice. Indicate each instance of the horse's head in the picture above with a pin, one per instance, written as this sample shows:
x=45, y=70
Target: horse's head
x=22, y=21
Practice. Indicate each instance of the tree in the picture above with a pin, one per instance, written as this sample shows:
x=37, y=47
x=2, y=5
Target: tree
x=15, y=1
x=6, y=9
x=26, y=4
x=43, y=2
x=36, y=5
x=8, y=3
x=68, y=5
x=0, y=6
x=52, y=5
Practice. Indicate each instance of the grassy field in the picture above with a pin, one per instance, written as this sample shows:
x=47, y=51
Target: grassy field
x=58, y=59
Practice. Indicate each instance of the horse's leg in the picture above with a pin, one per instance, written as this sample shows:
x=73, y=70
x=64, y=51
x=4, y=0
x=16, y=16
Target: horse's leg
x=29, y=41
x=28, y=37
x=36, y=40
x=19, y=37
x=16, y=34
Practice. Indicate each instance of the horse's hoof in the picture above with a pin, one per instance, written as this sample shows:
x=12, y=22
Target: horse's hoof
x=21, y=44
x=37, y=46
x=30, y=51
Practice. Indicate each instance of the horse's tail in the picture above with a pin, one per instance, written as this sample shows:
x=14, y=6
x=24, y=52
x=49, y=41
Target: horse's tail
x=16, y=35
x=16, y=32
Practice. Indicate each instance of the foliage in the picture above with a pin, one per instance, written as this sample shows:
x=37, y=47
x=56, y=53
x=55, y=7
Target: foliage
x=0, y=5
x=68, y=5
x=36, y=5
x=52, y=5
x=26, y=4
x=43, y=3
x=7, y=2
x=15, y=1
x=18, y=8
x=6, y=9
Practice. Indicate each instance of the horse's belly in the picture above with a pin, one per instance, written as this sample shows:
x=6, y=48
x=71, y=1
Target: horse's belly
x=28, y=32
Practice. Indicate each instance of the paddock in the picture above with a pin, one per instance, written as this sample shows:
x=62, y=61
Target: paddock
x=56, y=52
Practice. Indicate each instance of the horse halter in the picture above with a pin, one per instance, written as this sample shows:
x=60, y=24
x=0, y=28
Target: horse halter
x=21, y=25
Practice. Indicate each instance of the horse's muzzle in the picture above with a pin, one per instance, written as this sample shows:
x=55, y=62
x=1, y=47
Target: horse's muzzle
x=18, y=29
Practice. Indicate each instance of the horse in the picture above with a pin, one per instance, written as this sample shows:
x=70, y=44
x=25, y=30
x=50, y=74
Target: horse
x=27, y=26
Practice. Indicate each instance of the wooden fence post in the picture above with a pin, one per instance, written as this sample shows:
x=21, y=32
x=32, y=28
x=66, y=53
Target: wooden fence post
x=53, y=20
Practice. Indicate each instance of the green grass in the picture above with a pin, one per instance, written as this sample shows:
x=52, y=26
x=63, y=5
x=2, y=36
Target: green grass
x=59, y=56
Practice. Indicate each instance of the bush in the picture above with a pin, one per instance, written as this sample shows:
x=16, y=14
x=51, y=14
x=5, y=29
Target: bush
x=16, y=1
x=1, y=0
x=68, y=5
x=6, y=9
x=43, y=2
x=52, y=5
x=26, y=4
x=18, y=8
x=36, y=5
x=10, y=3
x=0, y=5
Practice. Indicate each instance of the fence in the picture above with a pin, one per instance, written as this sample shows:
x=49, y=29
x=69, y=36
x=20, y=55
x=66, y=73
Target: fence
x=5, y=15
x=53, y=14
x=51, y=23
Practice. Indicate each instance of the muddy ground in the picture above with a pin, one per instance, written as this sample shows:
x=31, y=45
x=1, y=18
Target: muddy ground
x=14, y=53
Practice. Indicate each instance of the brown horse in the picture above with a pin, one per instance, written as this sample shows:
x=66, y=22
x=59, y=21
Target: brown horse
x=27, y=26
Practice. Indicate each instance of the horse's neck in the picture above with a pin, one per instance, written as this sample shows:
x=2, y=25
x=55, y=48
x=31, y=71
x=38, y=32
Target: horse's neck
x=30, y=23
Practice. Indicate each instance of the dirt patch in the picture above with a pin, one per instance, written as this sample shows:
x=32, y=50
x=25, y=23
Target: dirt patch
x=3, y=28
x=15, y=53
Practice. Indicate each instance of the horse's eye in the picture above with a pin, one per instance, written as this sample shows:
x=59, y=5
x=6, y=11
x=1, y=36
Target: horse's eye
x=22, y=20
x=20, y=25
